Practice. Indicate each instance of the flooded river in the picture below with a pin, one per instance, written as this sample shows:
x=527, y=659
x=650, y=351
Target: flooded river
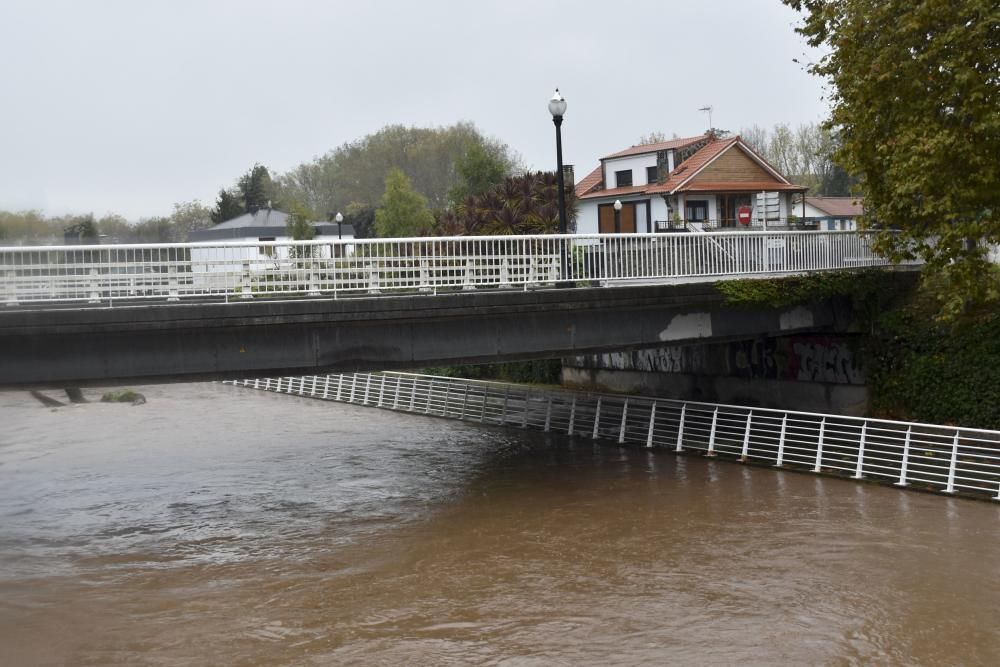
x=223, y=526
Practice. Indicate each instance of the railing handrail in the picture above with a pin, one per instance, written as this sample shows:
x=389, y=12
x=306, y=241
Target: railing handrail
x=222, y=243
x=733, y=406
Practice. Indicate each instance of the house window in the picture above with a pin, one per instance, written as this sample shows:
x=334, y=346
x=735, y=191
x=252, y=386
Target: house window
x=623, y=178
x=266, y=250
x=696, y=210
x=651, y=174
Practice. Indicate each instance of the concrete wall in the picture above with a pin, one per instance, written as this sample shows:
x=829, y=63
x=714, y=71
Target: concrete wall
x=808, y=372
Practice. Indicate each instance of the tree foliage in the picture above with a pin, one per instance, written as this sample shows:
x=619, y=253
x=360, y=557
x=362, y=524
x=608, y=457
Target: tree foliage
x=804, y=154
x=915, y=99
x=404, y=211
x=299, y=225
x=255, y=189
x=227, y=206
x=525, y=204
x=478, y=171
x=356, y=171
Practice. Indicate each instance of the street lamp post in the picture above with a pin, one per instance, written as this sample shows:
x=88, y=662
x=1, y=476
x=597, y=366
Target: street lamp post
x=557, y=107
x=618, y=216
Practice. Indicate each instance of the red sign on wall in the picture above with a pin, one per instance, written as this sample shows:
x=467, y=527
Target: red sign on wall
x=743, y=215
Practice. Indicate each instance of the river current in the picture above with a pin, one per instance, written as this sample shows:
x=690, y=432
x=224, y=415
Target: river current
x=223, y=526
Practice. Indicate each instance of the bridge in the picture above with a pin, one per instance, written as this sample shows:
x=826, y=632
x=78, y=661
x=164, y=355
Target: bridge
x=104, y=314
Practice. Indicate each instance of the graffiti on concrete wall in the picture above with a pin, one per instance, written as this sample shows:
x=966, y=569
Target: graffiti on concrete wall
x=829, y=359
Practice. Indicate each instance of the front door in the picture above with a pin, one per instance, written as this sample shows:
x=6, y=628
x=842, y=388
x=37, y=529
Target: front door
x=606, y=218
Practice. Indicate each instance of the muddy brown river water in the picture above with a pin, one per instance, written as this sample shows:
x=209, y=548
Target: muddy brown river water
x=221, y=526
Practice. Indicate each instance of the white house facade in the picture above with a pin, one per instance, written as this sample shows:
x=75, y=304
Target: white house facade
x=692, y=184
x=833, y=213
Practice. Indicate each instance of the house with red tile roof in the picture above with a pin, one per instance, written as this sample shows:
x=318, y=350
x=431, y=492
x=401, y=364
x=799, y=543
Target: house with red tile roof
x=697, y=183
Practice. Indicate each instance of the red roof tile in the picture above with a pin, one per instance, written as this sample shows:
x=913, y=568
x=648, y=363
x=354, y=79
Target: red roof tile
x=847, y=207
x=616, y=192
x=589, y=182
x=685, y=169
x=741, y=186
x=659, y=146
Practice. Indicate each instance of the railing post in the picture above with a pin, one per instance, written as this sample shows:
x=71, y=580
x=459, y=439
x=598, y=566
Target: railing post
x=680, y=429
x=954, y=462
x=465, y=401
x=413, y=394
x=652, y=424
x=11, y=297
x=326, y=387
x=548, y=413
x=746, y=439
x=95, y=294
x=172, y=294
x=354, y=386
x=340, y=385
x=597, y=418
x=621, y=431
x=469, y=283
x=373, y=278
x=505, y=273
x=313, y=281
x=425, y=275
x=447, y=399
x=245, y=290
x=395, y=395
x=524, y=416
x=381, y=390
x=572, y=416
x=482, y=408
x=859, y=471
x=906, y=458
x=430, y=394
x=819, y=446
x=711, y=433
x=503, y=411
x=781, y=442
x=368, y=385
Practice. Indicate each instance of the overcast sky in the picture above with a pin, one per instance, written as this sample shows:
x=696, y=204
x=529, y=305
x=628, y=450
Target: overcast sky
x=129, y=106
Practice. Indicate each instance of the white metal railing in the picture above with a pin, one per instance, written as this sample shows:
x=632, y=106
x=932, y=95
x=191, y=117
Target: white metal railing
x=946, y=459
x=235, y=270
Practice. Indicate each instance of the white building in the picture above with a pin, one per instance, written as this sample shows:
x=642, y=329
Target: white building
x=695, y=184
x=833, y=213
x=263, y=226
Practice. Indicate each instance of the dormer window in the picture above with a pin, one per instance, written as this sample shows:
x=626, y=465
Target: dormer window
x=651, y=175
x=623, y=178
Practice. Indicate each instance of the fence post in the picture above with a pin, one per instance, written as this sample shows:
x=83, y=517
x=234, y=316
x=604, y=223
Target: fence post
x=425, y=276
x=368, y=385
x=621, y=431
x=746, y=439
x=861, y=452
x=505, y=273
x=954, y=463
x=413, y=393
x=11, y=284
x=395, y=395
x=381, y=390
x=819, y=445
x=95, y=293
x=524, y=416
x=652, y=423
x=680, y=429
x=470, y=275
x=354, y=386
x=373, y=283
x=906, y=457
x=781, y=442
x=503, y=411
x=245, y=291
x=447, y=399
x=711, y=433
x=548, y=413
x=465, y=401
x=430, y=394
x=482, y=408
x=172, y=294
x=572, y=416
x=597, y=418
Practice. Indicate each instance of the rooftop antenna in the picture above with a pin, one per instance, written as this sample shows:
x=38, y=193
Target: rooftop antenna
x=708, y=108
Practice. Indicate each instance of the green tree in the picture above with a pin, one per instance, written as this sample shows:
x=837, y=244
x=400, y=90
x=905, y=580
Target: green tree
x=227, y=207
x=355, y=172
x=256, y=191
x=404, y=211
x=478, y=171
x=188, y=217
x=915, y=94
x=299, y=225
x=525, y=204
x=81, y=229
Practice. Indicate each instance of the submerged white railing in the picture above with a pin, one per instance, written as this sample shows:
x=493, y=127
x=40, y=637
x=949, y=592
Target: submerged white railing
x=243, y=270
x=946, y=459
